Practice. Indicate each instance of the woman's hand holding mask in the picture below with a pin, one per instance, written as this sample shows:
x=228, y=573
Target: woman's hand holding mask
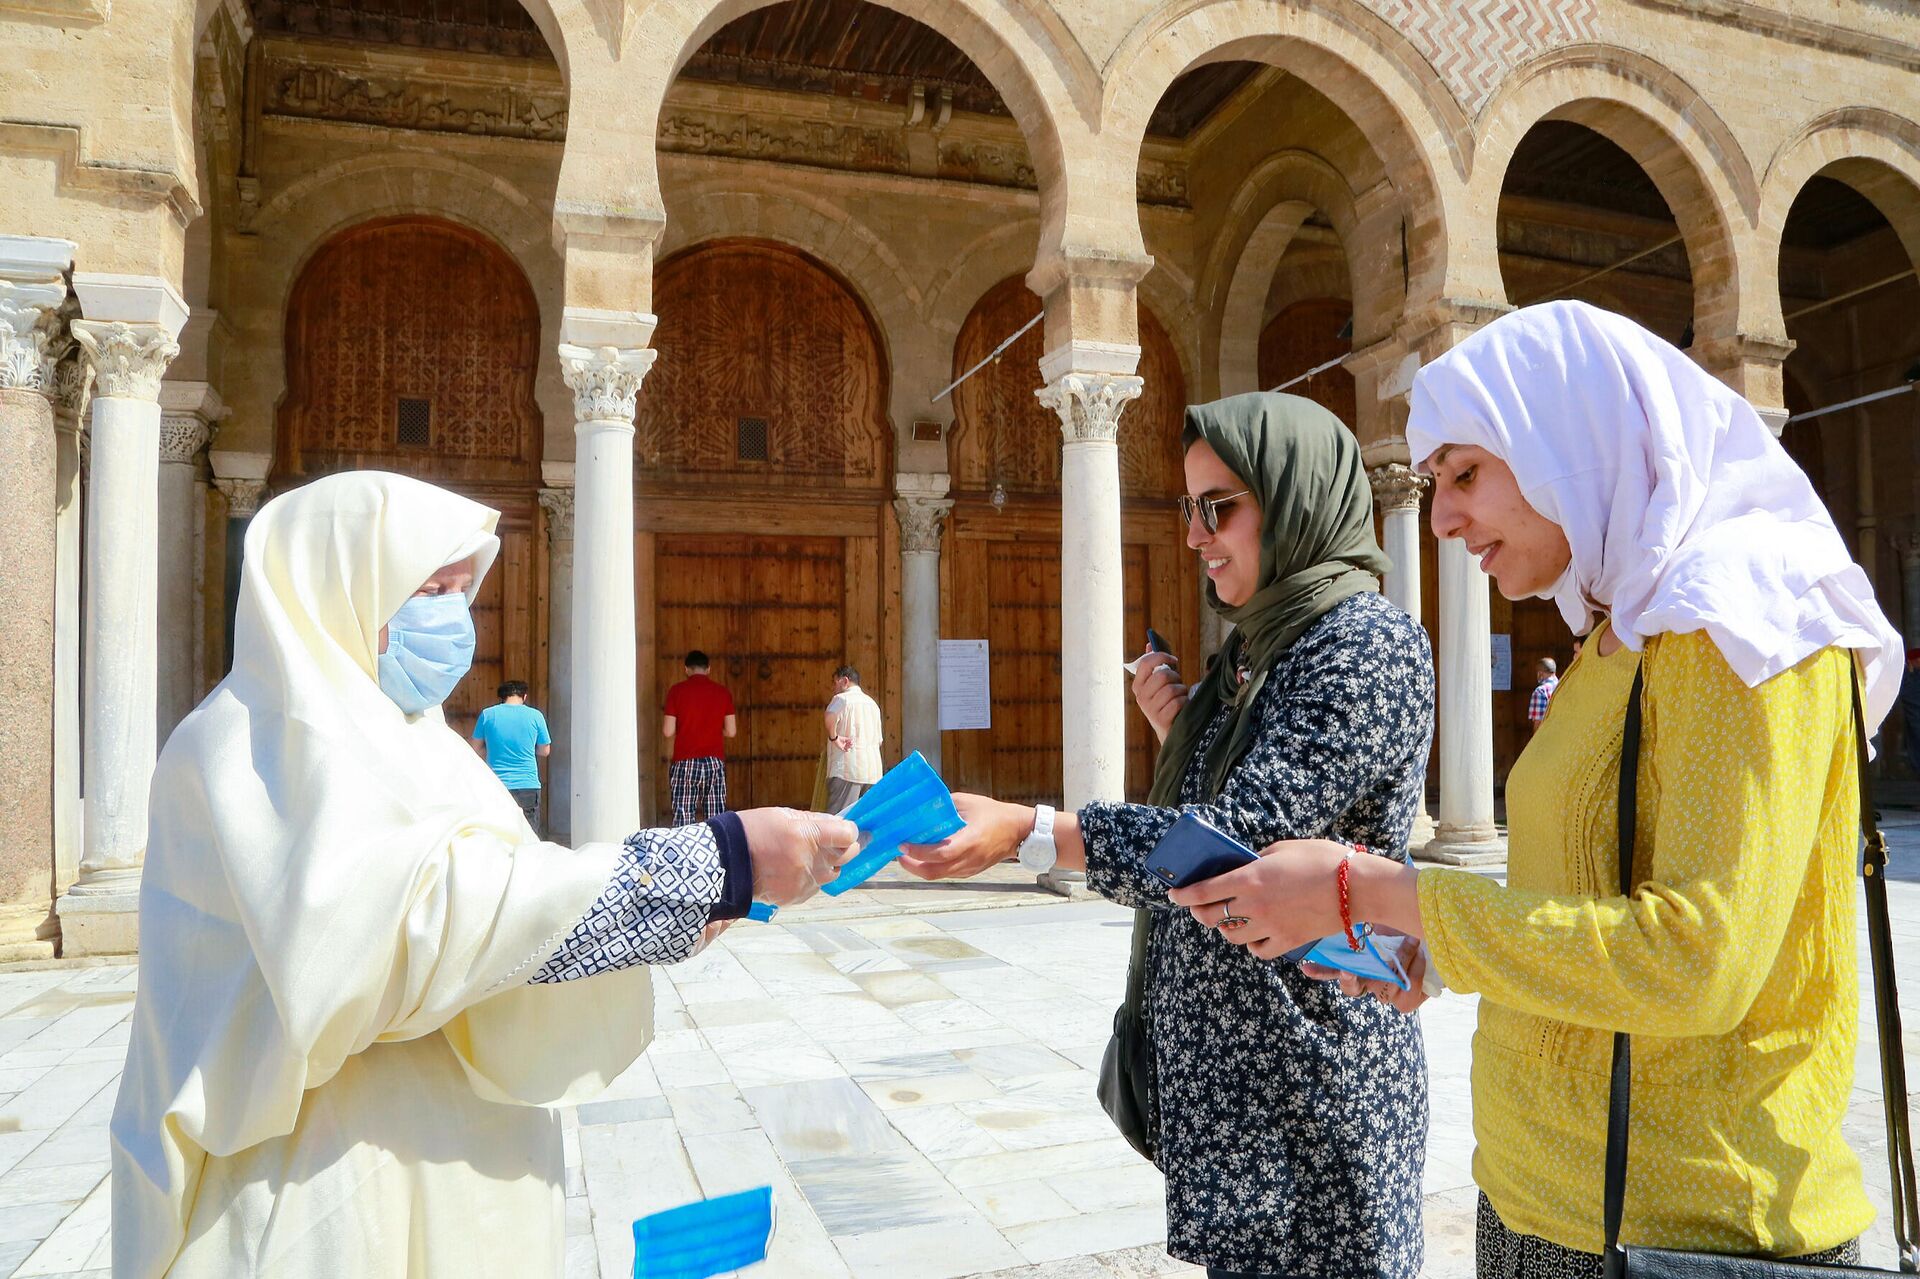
x=794, y=853
x=992, y=834
x=1159, y=690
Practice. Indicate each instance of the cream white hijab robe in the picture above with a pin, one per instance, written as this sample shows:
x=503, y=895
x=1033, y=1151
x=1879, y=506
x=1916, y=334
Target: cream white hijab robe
x=340, y=909
x=1679, y=505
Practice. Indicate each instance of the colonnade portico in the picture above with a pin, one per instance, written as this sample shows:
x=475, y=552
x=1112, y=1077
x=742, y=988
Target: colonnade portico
x=1374, y=170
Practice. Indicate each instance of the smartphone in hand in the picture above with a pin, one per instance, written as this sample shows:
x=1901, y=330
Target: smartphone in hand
x=1154, y=645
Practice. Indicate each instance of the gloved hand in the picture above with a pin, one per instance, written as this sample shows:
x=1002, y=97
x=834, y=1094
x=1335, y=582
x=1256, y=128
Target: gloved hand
x=794, y=853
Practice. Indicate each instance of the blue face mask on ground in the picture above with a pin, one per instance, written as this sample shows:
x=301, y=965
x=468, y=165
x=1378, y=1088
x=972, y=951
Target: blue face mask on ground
x=429, y=648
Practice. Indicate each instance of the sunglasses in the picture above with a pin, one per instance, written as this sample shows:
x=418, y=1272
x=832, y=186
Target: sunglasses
x=1209, y=508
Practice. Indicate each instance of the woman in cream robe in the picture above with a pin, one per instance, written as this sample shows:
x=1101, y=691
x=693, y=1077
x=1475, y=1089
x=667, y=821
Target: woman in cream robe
x=337, y=1064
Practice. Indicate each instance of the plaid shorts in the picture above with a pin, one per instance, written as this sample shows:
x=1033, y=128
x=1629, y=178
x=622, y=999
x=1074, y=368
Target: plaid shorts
x=697, y=783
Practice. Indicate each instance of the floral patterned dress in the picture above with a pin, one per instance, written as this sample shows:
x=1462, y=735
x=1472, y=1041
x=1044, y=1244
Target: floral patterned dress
x=1292, y=1119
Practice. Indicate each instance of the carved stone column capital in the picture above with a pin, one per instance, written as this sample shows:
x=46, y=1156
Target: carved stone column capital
x=128, y=359
x=558, y=504
x=1089, y=404
x=921, y=520
x=605, y=381
x=71, y=389
x=1908, y=545
x=243, y=497
x=1397, y=487
x=182, y=436
x=32, y=333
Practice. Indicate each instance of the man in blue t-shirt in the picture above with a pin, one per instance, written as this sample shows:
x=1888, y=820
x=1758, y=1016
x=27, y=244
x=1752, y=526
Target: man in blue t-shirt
x=512, y=737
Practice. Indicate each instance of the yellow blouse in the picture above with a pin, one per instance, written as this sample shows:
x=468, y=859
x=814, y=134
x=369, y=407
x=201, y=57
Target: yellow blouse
x=1732, y=965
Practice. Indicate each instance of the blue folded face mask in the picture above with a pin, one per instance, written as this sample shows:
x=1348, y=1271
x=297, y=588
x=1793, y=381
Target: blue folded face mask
x=429, y=648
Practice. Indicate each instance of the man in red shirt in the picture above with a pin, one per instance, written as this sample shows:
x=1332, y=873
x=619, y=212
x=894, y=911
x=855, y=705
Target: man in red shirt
x=699, y=717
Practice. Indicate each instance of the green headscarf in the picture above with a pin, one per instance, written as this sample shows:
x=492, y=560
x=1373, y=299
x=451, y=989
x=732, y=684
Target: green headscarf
x=1316, y=549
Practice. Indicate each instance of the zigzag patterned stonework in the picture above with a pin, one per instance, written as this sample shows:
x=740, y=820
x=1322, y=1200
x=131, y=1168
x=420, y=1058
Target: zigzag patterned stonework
x=1473, y=43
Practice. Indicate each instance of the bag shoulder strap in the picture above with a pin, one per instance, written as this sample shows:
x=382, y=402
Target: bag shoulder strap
x=1906, y=1205
x=1137, y=963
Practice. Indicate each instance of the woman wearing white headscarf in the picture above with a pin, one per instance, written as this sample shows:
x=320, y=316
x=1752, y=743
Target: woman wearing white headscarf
x=363, y=981
x=1584, y=460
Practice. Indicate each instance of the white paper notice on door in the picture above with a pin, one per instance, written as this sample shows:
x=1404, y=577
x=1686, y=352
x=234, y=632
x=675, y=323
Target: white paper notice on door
x=966, y=699
x=1503, y=663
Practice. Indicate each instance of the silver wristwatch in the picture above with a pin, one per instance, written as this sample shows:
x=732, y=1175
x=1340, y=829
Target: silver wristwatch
x=1037, y=851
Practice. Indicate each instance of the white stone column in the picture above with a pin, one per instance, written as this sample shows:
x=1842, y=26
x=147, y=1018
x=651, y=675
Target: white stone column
x=922, y=508
x=129, y=341
x=558, y=503
x=605, y=380
x=1088, y=386
x=1466, y=834
x=188, y=411
x=33, y=288
x=1396, y=491
x=72, y=389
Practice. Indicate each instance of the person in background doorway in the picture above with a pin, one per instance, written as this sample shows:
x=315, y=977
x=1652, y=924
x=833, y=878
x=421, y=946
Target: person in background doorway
x=512, y=737
x=853, y=741
x=699, y=719
x=1546, y=678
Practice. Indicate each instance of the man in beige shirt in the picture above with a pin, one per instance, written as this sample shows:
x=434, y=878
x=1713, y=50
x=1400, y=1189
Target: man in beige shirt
x=853, y=741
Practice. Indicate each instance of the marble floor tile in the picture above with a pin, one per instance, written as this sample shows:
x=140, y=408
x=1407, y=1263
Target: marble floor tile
x=738, y=1012
x=1135, y=1185
x=30, y=1223
x=637, y=1080
x=1008, y=982
x=898, y=990
x=632, y=1170
x=583, y=1261
x=71, y=1144
x=53, y=1098
x=928, y=1090
x=1088, y=1232
x=942, y=1133
x=595, y=1113
x=868, y=1066
x=947, y=1017
x=790, y=1065
x=1018, y=1203
x=784, y=976
x=688, y=1070
x=1148, y=1261
x=77, y=1241
x=13, y=1252
x=821, y=1119
x=874, y=961
x=698, y=1112
x=734, y=1161
x=68, y=1184
x=946, y=1250
x=860, y=1194
x=1023, y=1165
x=1071, y=1268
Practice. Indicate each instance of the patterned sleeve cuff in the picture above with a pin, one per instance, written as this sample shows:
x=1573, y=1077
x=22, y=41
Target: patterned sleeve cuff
x=1118, y=838
x=737, y=865
x=652, y=911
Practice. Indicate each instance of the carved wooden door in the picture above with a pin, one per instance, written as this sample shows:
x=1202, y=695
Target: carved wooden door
x=769, y=612
x=1015, y=604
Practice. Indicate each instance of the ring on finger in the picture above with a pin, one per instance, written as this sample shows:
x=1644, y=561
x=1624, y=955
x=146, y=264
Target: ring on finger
x=1227, y=918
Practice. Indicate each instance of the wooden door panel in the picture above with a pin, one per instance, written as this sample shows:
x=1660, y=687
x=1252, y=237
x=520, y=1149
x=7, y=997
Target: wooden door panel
x=769, y=612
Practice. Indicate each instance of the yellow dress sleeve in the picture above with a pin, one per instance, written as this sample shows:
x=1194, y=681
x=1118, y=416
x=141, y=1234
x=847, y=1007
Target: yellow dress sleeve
x=1741, y=776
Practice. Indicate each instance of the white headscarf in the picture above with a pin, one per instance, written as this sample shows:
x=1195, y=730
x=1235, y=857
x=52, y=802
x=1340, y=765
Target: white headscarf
x=1682, y=510
x=324, y=873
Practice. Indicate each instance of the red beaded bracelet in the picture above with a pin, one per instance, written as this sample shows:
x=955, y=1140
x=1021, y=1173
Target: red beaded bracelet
x=1346, y=903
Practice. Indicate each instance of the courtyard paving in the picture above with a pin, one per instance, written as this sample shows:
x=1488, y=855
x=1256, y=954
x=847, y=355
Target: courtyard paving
x=910, y=1068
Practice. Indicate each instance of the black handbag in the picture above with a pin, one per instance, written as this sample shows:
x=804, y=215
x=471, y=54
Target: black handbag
x=1622, y=1262
x=1126, y=1068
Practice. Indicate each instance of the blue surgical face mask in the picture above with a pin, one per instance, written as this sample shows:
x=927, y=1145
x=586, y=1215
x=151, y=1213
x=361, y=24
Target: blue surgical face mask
x=429, y=648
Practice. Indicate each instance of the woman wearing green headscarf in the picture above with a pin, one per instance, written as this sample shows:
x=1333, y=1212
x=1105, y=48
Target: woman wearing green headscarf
x=1291, y=1121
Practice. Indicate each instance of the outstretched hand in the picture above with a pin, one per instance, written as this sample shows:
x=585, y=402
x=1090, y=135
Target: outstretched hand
x=993, y=833
x=1413, y=962
x=795, y=853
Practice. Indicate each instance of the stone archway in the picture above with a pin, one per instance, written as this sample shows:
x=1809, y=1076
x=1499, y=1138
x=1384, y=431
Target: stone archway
x=764, y=464
x=411, y=345
x=1001, y=572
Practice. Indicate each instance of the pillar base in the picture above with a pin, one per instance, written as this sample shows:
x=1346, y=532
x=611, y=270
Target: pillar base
x=101, y=917
x=1464, y=847
x=1071, y=884
x=26, y=932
